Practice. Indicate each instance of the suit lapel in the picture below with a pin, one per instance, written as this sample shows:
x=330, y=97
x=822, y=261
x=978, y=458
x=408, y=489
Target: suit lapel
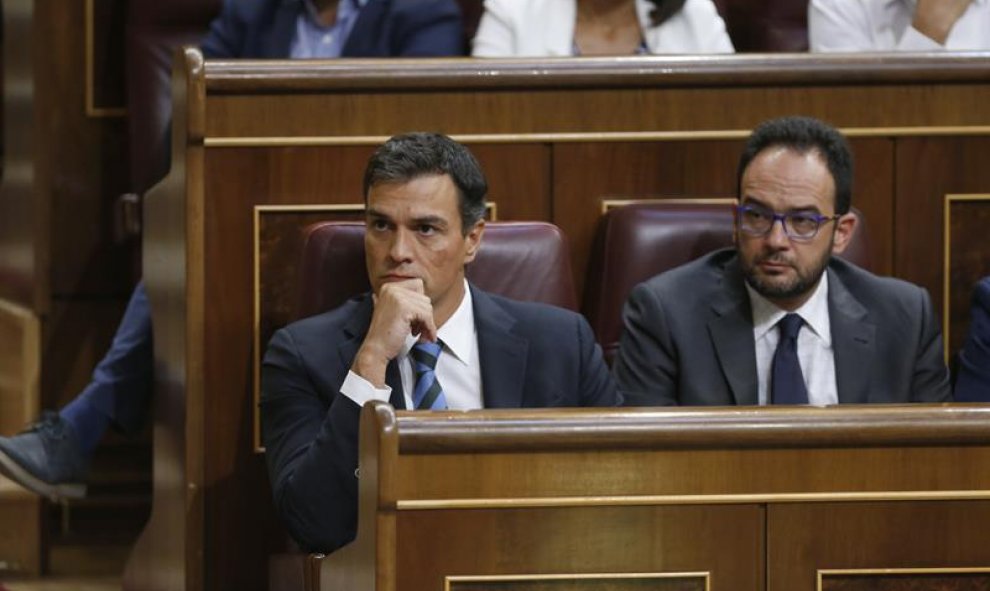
x=366, y=31
x=853, y=343
x=501, y=353
x=354, y=333
x=279, y=43
x=731, y=331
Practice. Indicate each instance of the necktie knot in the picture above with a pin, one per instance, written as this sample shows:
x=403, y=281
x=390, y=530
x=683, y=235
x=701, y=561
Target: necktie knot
x=425, y=356
x=790, y=325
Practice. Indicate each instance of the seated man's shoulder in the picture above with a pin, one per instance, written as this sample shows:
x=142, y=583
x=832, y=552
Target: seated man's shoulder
x=869, y=288
x=533, y=316
x=320, y=325
x=706, y=270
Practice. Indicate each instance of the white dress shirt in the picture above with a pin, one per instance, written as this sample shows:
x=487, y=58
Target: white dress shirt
x=814, y=345
x=458, y=367
x=544, y=28
x=885, y=25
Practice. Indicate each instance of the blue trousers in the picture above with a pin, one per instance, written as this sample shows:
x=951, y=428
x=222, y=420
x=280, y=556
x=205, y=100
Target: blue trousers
x=121, y=385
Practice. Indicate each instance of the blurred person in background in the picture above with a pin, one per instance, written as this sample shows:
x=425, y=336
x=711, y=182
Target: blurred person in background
x=898, y=25
x=542, y=28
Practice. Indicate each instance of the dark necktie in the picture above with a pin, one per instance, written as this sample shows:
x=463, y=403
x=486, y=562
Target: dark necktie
x=427, y=395
x=786, y=381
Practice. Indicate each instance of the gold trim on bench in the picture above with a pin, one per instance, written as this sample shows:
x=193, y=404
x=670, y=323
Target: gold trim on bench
x=608, y=204
x=91, y=109
x=948, y=201
x=564, y=137
x=822, y=573
x=723, y=499
x=706, y=575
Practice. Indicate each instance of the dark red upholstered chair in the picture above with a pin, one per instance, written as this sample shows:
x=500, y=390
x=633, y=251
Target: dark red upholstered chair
x=766, y=25
x=521, y=260
x=639, y=241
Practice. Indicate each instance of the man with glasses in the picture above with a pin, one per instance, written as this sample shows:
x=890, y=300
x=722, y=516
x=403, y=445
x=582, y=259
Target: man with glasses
x=778, y=319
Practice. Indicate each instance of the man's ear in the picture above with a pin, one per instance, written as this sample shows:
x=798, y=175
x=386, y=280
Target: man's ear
x=845, y=227
x=473, y=240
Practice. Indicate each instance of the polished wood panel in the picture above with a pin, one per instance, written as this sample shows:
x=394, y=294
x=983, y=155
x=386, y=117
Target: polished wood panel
x=758, y=498
x=23, y=192
x=902, y=535
x=968, y=259
x=61, y=172
x=928, y=170
x=20, y=390
x=556, y=137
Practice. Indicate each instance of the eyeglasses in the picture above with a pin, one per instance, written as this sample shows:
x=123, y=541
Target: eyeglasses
x=759, y=221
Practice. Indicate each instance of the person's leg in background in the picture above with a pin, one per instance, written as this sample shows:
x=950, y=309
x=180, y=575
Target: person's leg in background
x=52, y=456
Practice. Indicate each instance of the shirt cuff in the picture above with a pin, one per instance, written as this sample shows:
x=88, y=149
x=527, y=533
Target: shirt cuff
x=361, y=390
x=915, y=40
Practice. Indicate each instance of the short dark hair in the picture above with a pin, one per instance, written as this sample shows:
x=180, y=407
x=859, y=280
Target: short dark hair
x=408, y=156
x=803, y=134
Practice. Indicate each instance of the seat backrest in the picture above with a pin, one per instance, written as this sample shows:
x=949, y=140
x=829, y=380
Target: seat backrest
x=521, y=260
x=766, y=25
x=639, y=241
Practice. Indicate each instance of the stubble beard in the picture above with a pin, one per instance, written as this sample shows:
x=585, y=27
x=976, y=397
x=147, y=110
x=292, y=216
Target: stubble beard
x=771, y=288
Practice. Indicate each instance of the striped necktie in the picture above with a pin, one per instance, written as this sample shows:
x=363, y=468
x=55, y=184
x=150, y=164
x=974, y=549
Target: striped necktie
x=427, y=395
x=787, y=381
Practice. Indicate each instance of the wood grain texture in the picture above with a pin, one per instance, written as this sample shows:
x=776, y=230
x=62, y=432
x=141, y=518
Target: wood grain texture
x=21, y=549
x=910, y=535
x=554, y=137
x=589, y=459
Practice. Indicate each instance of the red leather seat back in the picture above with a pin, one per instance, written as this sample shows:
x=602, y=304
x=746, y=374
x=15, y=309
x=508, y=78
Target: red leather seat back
x=521, y=260
x=639, y=241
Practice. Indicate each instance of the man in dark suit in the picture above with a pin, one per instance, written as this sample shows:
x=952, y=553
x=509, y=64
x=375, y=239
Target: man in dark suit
x=277, y=29
x=52, y=456
x=778, y=319
x=423, y=339
x=973, y=380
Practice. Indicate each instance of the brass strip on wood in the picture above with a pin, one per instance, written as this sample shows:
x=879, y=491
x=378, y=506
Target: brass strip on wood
x=608, y=204
x=721, y=499
x=824, y=573
x=454, y=579
x=91, y=109
x=947, y=201
x=606, y=136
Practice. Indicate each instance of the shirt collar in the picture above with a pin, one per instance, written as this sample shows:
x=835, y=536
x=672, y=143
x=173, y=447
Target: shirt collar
x=814, y=312
x=458, y=333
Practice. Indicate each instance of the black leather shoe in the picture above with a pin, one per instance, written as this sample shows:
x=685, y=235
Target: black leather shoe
x=46, y=459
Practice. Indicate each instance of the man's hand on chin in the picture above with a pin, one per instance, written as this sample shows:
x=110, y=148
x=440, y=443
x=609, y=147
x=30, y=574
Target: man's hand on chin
x=401, y=308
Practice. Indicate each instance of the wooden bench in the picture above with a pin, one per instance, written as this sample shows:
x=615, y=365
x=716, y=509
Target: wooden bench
x=263, y=148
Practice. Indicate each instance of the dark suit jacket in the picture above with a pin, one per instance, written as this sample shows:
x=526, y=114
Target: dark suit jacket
x=688, y=338
x=263, y=29
x=973, y=381
x=531, y=355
